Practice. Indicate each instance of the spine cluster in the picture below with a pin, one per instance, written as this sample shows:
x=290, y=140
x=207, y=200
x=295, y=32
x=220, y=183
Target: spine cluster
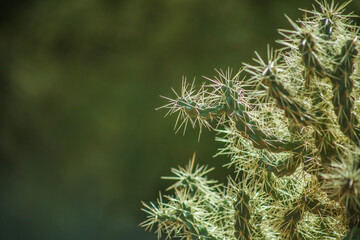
x=289, y=124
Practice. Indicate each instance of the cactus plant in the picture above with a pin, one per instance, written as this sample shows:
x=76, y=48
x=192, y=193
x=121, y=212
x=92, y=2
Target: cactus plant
x=289, y=124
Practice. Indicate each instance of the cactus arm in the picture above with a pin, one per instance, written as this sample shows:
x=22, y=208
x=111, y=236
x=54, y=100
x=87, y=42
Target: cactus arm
x=342, y=88
x=284, y=101
x=243, y=228
x=243, y=122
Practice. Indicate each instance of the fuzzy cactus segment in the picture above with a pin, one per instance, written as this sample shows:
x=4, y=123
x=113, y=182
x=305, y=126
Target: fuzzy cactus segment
x=341, y=79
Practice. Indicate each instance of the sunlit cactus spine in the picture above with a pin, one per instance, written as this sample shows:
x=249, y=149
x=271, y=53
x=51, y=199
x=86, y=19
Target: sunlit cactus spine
x=289, y=124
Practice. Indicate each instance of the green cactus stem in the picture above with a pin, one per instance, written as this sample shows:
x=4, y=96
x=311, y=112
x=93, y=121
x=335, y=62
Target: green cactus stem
x=310, y=59
x=243, y=122
x=342, y=87
x=243, y=229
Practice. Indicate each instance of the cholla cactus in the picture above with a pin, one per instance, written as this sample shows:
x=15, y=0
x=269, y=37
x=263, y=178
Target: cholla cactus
x=289, y=124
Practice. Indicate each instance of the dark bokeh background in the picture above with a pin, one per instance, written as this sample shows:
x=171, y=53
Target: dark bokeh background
x=80, y=142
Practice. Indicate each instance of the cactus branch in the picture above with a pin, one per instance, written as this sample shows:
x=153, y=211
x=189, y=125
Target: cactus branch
x=342, y=87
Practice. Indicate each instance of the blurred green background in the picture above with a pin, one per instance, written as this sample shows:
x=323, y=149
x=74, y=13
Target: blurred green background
x=81, y=144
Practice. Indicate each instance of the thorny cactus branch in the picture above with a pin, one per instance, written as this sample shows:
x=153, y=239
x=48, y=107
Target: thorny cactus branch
x=289, y=124
x=342, y=87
